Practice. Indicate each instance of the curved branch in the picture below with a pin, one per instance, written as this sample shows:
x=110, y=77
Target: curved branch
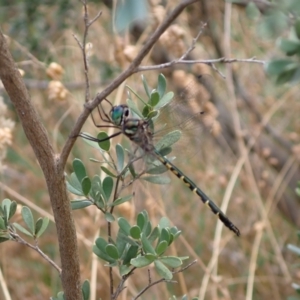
x=133, y=68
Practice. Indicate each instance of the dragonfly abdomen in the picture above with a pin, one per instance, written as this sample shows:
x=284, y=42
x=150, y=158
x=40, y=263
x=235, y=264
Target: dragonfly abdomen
x=193, y=187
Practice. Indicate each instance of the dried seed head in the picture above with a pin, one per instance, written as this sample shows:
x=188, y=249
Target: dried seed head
x=57, y=91
x=55, y=71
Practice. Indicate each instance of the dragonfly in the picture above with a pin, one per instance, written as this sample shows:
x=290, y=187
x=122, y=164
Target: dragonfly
x=140, y=132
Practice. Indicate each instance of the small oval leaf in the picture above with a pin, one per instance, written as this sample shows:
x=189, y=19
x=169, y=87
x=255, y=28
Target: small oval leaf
x=171, y=261
x=131, y=253
x=2, y=224
x=86, y=290
x=121, y=200
x=154, y=98
x=124, y=225
x=28, y=218
x=86, y=185
x=108, y=172
x=112, y=251
x=161, y=85
x=107, y=186
x=162, y=270
x=135, y=232
x=103, y=255
x=79, y=204
x=161, y=247
x=104, y=143
x=13, y=208
x=43, y=226
x=157, y=179
x=147, y=247
x=79, y=169
x=22, y=229
x=141, y=262
x=120, y=157
x=109, y=217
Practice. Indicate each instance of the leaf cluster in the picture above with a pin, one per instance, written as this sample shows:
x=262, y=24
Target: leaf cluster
x=139, y=245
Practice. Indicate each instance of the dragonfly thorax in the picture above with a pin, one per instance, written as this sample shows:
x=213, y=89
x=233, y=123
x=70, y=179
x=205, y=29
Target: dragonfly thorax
x=138, y=131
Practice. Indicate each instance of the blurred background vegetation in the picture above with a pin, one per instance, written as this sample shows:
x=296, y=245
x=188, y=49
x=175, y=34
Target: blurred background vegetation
x=256, y=165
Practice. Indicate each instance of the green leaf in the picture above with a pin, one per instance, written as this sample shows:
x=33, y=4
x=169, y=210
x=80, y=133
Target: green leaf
x=129, y=11
x=156, y=168
x=131, y=104
x=171, y=261
x=74, y=186
x=86, y=185
x=166, y=99
x=131, y=253
x=290, y=47
x=121, y=245
x=278, y=66
x=154, y=98
x=22, y=229
x=4, y=239
x=79, y=204
x=124, y=270
x=297, y=28
x=112, y=251
x=157, y=179
x=3, y=226
x=120, y=157
x=163, y=223
x=165, y=235
x=162, y=270
x=101, y=243
x=6, y=203
x=152, y=114
x=13, y=208
x=121, y=200
x=141, y=262
x=161, y=85
x=126, y=238
x=28, y=218
x=96, y=184
x=79, y=169
x=103, y=255
x=135, y=232
x=147, y=228
x=147, y=247
x=161, y=247
x=40, y=226
x=108, y=172
x=124, y=225
x=105, y=145
x=286, y=77
x=168, y=140
x=86, y=290
x=107, y=186
x=175, y=232
x=109, y=217
x=146, y=86
x=252, y=11
x=141, y=220
x=154, y=235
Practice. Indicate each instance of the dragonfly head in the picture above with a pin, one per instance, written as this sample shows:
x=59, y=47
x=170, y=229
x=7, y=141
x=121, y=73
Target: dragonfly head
x=118, y=114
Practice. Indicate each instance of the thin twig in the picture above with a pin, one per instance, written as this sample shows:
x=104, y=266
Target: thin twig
x=209, y=62
x=163, y=280
x=152, y=284
x=36, y=248
x=121, y=287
